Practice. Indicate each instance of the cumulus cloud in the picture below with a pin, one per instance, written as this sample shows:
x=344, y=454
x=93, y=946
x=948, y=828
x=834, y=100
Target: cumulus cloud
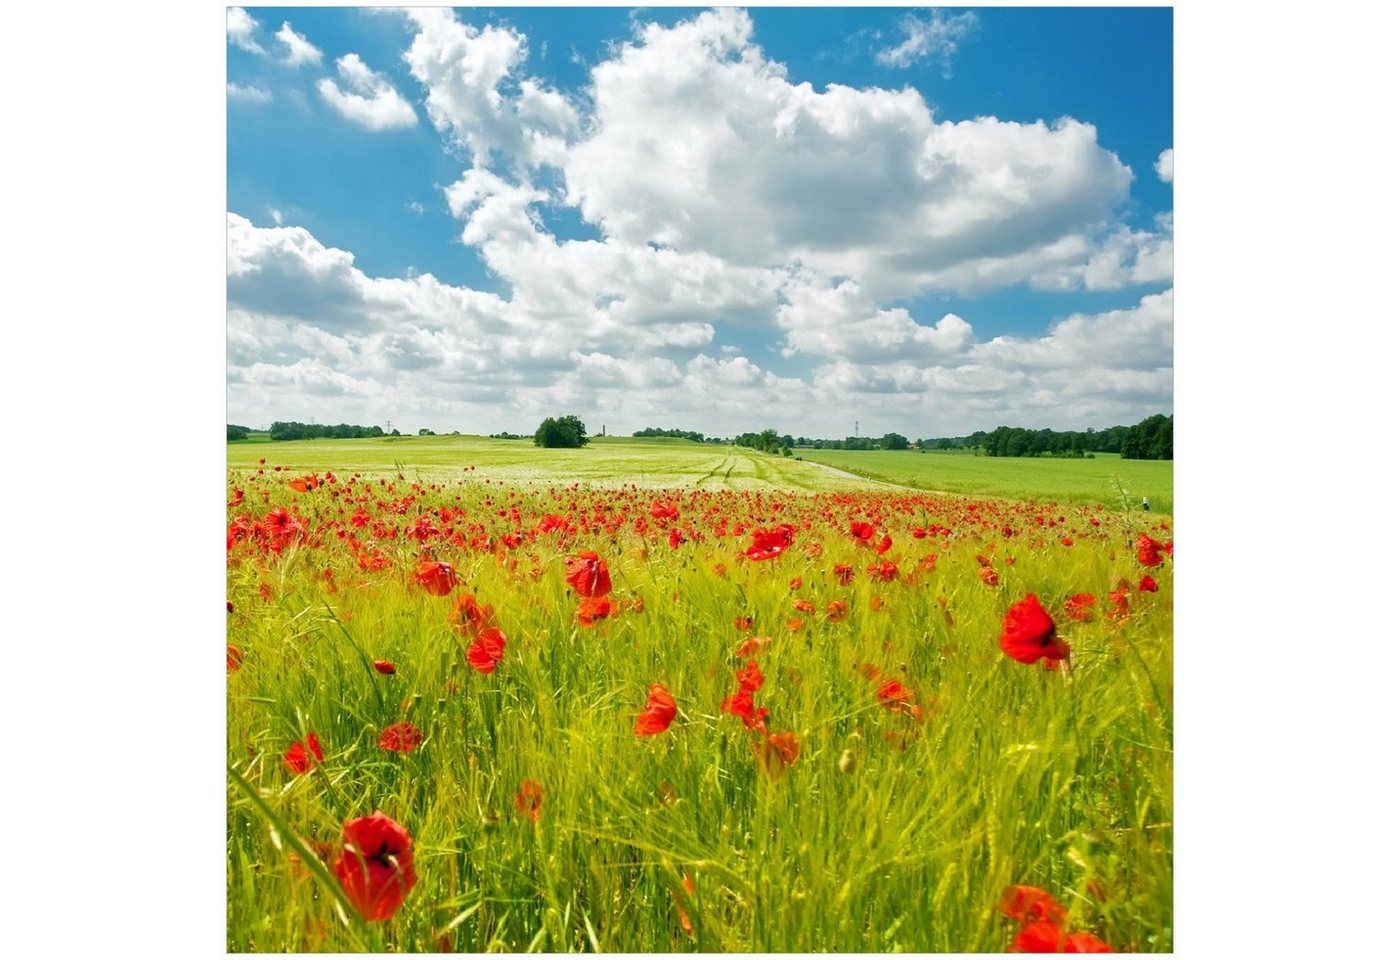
x=369, y=99
x=933, y=38
x=243, y=94
x=241, y=27
x=1164, y=165
x=299, y=49
x=476, y=95
x=728, y=202
x=699, y=142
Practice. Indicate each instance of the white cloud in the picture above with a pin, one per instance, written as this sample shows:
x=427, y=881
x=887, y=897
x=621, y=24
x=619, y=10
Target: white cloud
x=243, y=94
x=241, y=27
x=1164, y=165
x=469, y=74
x=370, y=100
x=700, y=143
x=935, y=38
x=299, y=49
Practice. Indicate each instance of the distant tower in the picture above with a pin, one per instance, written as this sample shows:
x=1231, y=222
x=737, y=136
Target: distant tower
x=605, y=429
x=388, y=426
x=857, y=428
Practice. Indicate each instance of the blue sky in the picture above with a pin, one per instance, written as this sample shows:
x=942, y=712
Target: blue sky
x=938, y=220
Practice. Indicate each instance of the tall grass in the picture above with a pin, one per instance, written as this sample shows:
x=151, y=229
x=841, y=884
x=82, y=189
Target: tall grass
x=1015, y=774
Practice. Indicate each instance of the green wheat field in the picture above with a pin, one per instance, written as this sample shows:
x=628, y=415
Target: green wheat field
x=855, y=759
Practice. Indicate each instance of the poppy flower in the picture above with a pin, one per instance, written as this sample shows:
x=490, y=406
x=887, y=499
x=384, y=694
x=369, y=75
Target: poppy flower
x=750, y=677
x=836, y=611
x=235, y=658
x=844, y=573
x=988, y=575
x=768, y=544
x=1045, y=937
x=384, y=667
x=487, y=650
x=1147, y=584
x=403, y=737
x=593, y=609
x=776, y=751
x=752, y=646
x=375, y=868
x=588, y=574
x=299, y=759
x=529, y=799
x=742, y=623
x=894, y=694
x=802, y=605
x=1026, y=904
x=884, y=571
x=862, y=531
x=469, y=617
x=1149, y=551
x=680, y=908
x=660, y=711
x=1081, y=606
x=741, y=705
x=439, y=579
x=884, y=544
x=1028, y=633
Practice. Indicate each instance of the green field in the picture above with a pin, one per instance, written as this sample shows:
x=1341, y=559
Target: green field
x=1016, y=478
x=664, y=462
x=606, y=461
x=924, y=770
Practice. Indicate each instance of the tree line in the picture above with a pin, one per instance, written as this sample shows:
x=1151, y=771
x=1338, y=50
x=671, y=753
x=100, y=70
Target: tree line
x=292, y=430
x=1149, y=440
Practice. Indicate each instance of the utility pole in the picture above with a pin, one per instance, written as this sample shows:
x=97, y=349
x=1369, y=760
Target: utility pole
x=857, y=428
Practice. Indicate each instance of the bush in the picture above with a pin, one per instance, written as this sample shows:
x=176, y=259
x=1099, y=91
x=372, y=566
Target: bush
x=561, y=432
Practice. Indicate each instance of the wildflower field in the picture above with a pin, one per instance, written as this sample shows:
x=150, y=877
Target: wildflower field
x=469, y=712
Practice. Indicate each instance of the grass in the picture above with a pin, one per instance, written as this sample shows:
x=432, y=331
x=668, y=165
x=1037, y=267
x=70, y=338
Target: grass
x=1013, y=775
x=1018, y=478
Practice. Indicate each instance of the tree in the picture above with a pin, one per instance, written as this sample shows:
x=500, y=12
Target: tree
x=894, y=441
x=236, y=432
x=561, y=432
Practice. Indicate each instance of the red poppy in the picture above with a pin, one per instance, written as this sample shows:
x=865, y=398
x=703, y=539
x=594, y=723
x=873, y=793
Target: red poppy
x=741, y=705
x=588, y=574
x=660, y=711
x=593, y=609
x=403, y=737
x=884, y=544
x=750, y=677
x=235, y=658
x=299, y=759
x=487, y=650
x=469, y=617
x=529, y=799
x=894, y=694
x=1026, y=904
x=1081, y=606
x=1147, y=584
x=776, y=751
x=375, y=868
x=743, y=623
x=836, y=611
x=384, y=667
x=684, y=917
x=752, y=646
x=439, y=579
x=768, y=544
x=862, y=531
x=1149, y=551
x=844, y=573
x=884, y=570
x=988, y=575
x=1045, y=937
x=795, y=583
x=1028, y=633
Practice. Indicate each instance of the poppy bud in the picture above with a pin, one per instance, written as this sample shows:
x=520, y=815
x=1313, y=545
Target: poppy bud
x=847, y=763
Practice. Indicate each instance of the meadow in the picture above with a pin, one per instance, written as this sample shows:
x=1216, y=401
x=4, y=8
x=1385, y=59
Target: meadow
x=1105, y=479
x=747, y=704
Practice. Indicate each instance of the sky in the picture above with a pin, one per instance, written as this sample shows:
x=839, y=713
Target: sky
x=925, y=221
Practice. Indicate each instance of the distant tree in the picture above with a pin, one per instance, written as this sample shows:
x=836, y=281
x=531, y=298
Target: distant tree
x=561, y=432
x=236, y=432
x=425, y=432
x=894, y=441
